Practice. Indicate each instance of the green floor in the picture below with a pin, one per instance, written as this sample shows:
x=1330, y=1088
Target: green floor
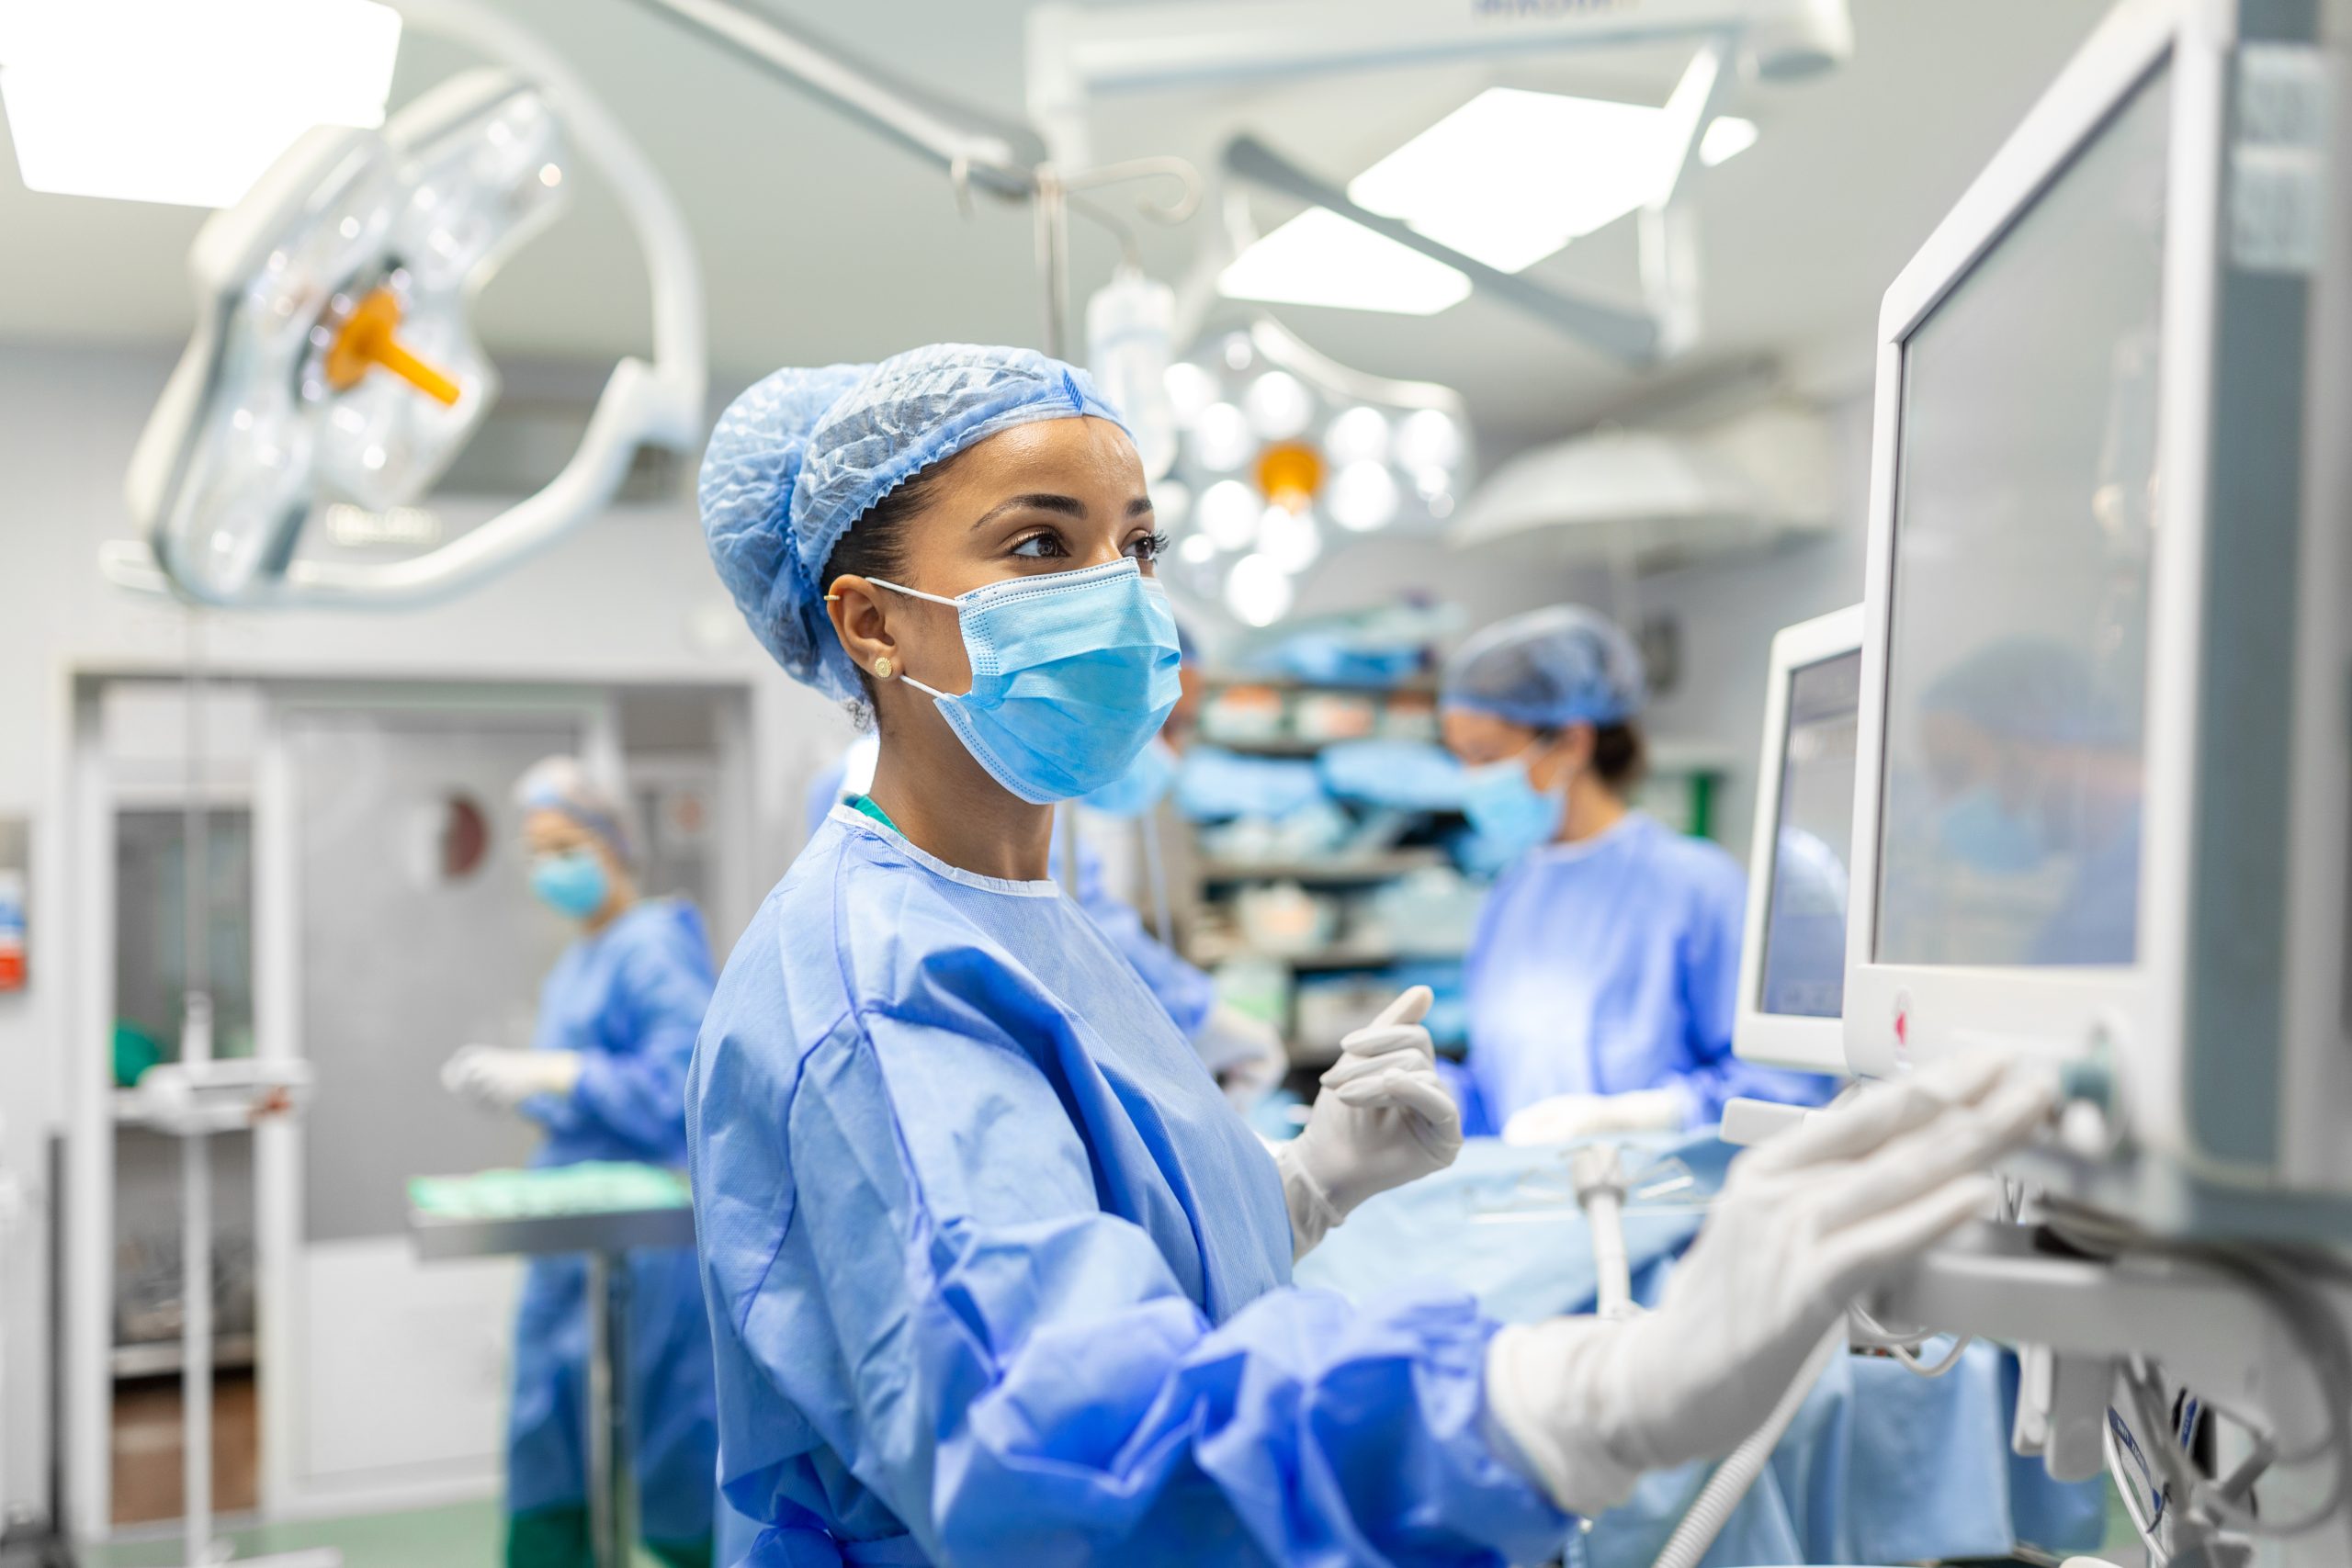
x=466, y=1534
x=470, y=1535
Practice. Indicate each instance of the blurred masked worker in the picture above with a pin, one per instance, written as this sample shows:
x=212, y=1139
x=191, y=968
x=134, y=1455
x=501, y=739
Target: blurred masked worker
x=996, y=1275
x=1604, y=971
x=606, y=1077
x=1246, y=1056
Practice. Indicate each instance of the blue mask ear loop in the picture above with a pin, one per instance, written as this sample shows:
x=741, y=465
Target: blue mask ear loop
x=933, y=693
x=1063, y=831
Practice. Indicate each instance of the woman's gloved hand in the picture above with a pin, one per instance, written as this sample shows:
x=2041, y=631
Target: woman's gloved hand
x=504, y=1078
x=1243, y=1054
x=1382, y=1117
x=1565, y=1118
x=1805, y=1223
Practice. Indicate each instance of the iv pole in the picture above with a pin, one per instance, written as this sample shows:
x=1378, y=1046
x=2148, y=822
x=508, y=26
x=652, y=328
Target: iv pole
x=1004, y=157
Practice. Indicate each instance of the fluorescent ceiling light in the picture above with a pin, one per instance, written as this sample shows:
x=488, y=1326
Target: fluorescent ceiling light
x=1726, y=138
x=184, y=101
x=1320, y=258
x=1512, y=176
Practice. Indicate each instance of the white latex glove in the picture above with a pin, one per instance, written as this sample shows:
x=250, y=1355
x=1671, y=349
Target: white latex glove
x=1383, y=1119
x=1805, y=1223
x=1565, y=1118
x=496, y=1076
x=1244, y=1053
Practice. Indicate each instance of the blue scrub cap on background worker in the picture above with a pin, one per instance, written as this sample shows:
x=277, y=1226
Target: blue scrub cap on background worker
x=560, y=784
x=798, y=459
x=1548, y=668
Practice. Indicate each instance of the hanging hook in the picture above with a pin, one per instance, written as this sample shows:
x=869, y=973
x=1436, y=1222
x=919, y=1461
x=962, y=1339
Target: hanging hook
x=959, y=176
x=1180, y=170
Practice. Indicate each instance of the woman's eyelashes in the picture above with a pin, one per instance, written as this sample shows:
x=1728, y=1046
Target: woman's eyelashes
x=1043, y=545
x=1048, y=544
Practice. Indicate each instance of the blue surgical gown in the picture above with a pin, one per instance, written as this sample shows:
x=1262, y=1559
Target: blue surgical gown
x=1608, y=966
x=1188, y=994
x=997, y=1277
x=629, y=1001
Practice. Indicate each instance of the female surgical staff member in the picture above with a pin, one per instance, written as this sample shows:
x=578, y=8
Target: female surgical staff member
x=606, y=1077
x=995, y=1274
x=1604, y=972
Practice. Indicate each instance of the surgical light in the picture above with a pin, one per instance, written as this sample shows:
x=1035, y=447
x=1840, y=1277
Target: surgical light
x=1429, y=439
x=186, y=103
x=1289, y=474
x=335, y=359
x=1258, y=592
x=1171, y=503
x=1222, y=441
x=1290, y=538
x=1198, y=549
x=343, y=347
x=1363, y=497
x=1191, y=389
x=1513, y=175
x=1321, y=258
x=1358, y=435
x=1229, y=512
x=1279, y=407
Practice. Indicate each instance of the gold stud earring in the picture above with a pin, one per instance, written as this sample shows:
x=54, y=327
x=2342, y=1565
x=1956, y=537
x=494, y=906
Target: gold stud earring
x=882, y=668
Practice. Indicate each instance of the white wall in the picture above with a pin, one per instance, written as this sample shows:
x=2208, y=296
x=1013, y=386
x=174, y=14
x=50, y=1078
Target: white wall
x=1727, y=612
x=617, y=603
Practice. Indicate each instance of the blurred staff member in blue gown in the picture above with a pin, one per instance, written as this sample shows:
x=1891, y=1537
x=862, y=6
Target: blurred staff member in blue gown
x=606, y=1077
x=996, y=1275
x=1604, y=972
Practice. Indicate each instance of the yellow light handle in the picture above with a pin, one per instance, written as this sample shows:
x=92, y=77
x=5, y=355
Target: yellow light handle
x=366, y=341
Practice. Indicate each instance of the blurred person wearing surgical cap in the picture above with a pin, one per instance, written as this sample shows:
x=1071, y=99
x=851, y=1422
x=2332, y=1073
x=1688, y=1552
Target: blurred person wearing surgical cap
x=606, y=1077
x=1603, y=973
x=996, y=1275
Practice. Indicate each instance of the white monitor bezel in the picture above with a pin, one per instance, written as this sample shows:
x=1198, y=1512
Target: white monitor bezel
x=1779, y=1039
x=1897, y=1015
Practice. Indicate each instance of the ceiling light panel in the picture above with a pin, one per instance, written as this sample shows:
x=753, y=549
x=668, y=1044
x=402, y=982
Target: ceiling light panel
x=1320, y=258
x=185, y=101
x=1513, y=176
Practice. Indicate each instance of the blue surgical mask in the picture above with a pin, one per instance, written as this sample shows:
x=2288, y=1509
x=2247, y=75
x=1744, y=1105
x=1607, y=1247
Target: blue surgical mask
x=1977, y=830
x=1138, y=789
x=1073, y=673
x=1507, y=811
x=572, y=884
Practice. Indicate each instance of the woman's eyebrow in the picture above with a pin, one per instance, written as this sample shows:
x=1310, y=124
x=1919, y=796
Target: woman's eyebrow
x=1138, y=506
x=1069, y=505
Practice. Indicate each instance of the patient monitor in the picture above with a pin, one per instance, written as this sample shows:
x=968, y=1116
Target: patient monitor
x=1793, y=961
x=2103, y=796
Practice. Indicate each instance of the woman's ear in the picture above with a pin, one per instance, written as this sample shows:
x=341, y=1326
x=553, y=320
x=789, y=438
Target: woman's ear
x=855, y=606
x=1570, y=753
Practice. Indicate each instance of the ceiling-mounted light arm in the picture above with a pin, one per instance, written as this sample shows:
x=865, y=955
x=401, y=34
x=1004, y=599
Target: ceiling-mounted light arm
x=1624, y=335
x=999, y=154
x=1083, y=55
x=1670, y=256
x=673, y=273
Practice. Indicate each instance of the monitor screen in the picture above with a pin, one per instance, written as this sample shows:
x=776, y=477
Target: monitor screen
x=2026, y=488
x=1804, y=972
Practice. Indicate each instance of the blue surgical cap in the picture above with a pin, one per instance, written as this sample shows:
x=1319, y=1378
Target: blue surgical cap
x=797, y=460
x=563, y=785
x=1548, y=668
